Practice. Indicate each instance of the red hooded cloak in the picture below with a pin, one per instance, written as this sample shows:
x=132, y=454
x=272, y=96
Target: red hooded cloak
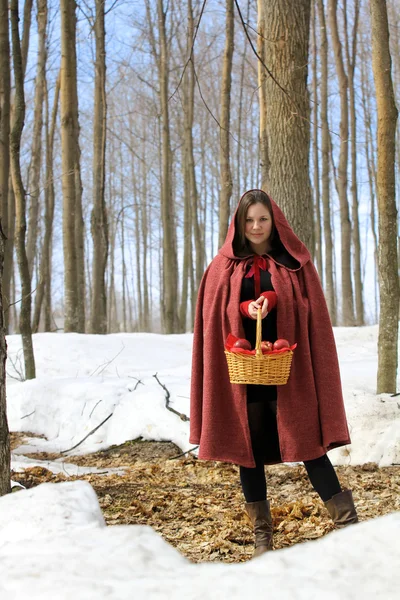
x=310, y=412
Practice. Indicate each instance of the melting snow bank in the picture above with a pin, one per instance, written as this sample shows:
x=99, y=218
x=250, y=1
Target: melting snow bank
x=105, y=392
x=54, y=544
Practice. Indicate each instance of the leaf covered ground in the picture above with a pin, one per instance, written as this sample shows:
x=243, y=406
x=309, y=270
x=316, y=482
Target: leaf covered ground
x=198, y=507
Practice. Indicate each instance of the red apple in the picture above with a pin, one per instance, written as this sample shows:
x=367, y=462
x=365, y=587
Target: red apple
x=281, y=343
x=267, y=346
x=242, y=343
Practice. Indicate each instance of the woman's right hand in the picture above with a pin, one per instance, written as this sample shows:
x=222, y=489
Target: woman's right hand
x=254, y=306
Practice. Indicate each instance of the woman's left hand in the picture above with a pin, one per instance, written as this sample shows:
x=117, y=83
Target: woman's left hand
x=254, y=306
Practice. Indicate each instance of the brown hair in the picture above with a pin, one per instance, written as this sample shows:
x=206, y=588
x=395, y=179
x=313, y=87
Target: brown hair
x=240, y=243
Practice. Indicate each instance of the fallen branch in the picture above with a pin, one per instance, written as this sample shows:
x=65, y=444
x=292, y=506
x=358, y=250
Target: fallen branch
x=137, y=382
x=26, y=416
x=86, y=436
x=167, y=397
x=183, y=453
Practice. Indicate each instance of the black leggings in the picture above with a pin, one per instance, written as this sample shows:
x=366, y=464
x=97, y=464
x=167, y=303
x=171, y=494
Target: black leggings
x=320, y=470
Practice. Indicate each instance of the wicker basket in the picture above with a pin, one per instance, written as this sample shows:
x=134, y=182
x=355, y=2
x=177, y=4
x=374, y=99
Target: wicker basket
x=259, y=368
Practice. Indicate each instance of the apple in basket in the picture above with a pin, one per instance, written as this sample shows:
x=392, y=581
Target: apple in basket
x=267, y=346
x=281, y=343
x=243, y=344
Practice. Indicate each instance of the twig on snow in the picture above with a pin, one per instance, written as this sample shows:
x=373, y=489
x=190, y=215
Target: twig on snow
x=86, y=436
x=137, y=382
x=167, y=397
x=95, y=407
x=26, y=416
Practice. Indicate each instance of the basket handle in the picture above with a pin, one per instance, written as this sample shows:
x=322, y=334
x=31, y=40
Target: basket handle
x=258, y=333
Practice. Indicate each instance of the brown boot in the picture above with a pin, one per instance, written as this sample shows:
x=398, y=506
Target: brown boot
x=260, y=516
x=341, y=509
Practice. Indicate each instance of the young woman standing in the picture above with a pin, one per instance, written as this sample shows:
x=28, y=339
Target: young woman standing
x=263, y=264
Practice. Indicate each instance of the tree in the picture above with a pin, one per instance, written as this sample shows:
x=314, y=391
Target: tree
x=325, y=151
x=19, y=192
x=71, y=184
x=99, y=225
x=225, y=113
x=169, y=258
x=386, y=191
x=4, y=168
x=36, y=155
x=288, y=111
x=345, y=225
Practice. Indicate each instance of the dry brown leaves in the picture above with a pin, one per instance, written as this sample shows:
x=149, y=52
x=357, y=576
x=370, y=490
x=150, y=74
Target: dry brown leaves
x=198, y=506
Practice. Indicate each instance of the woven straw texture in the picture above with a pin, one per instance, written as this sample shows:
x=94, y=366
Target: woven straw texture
x=259, y=369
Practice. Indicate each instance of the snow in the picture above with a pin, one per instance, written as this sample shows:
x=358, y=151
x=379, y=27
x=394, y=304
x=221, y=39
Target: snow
x=54, y=544
x=83, y=379
x=53, y=539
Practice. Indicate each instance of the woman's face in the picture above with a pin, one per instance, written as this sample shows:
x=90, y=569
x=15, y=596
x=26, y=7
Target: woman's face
x=258, y=228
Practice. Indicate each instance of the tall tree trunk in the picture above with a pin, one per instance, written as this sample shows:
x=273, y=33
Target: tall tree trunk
x=387, y=212
x=34, y=179
x=145, y=240
x=325, y=151
x=5, y=486
x=9, y=227
x=288, y=128
x=68, y=154
x=351, y=62
x=20, y=205
x=317, y=213
x=225, y=113
x=44, y=286
x=345, y=225
x=370, y=161
x=99, y=224
x=5, y=91
x=262, y=91
x=170, y=268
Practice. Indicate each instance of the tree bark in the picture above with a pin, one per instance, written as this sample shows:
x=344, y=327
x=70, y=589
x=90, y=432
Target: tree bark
x=169, y=258
x=351, y=62
x=5, y=91
x=36, y=156
x=9, y=227
x=262, y=98
x=225, y=113
x=43, y=291
x=317, y=249
x=68, y=156
x=345, y=225
x=99, y=225
x=20, y=204
x=386, y=189
x=288, y=122
x=5, y=486
x=325, y=156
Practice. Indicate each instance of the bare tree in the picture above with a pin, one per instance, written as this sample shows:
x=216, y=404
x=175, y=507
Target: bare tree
x=387, y=212
x=325, y=152
x=345, y=225
x=36, y=155
x=70, y=161
x=262, y=91
x=288, y=111
x=9, y=226
x=43, y=291
x=99, y=223
x=225, y=113
x=20, y=204
x=5, y=486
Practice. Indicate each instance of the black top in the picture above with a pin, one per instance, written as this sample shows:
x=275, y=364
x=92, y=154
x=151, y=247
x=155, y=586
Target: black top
x=256, y=393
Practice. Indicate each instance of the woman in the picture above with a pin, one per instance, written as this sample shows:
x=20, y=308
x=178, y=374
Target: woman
x=263, y=264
